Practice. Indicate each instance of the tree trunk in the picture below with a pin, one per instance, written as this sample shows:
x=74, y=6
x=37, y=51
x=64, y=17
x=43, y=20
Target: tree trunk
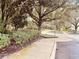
x=3, y=16
x=16, y=28
x=76, y=29
x=2, y=8
x=39, y=26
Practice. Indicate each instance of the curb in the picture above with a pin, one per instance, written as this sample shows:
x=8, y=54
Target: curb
x=53, y=53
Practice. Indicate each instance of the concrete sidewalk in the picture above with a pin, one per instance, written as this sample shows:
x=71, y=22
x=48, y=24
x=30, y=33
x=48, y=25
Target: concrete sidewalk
x=41, y=49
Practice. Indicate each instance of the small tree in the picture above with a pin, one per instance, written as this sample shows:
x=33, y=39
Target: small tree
x=74, y=20
x=75, y=23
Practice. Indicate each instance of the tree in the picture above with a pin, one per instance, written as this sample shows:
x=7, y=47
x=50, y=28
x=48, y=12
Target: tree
x=73, y=17
x=75, y=23
x=18, y=14
x=69, y=16
x=41, y=8
x=4, y=4
x=16, y=11
x=12, y=11
x=74, y=20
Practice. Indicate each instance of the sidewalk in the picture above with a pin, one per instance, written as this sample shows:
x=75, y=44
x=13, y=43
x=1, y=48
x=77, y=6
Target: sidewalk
x=41, y=49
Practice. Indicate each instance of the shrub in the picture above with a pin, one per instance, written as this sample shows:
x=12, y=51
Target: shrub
x=23, y=36
x=4, y=40
x=20, y=37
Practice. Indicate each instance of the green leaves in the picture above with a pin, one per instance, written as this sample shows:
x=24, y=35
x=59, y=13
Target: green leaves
x=23, y=36
x=4, y=40
x=20, y=37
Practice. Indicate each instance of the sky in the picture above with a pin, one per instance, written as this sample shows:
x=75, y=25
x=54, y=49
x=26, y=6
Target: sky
x=73, y=1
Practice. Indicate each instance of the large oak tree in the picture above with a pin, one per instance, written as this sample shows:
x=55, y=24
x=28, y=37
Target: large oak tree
x=41, y=8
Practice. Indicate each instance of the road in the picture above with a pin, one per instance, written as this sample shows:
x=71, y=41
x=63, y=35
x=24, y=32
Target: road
x=67, y=46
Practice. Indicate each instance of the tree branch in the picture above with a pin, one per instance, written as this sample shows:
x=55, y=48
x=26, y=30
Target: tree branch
x=46, y=13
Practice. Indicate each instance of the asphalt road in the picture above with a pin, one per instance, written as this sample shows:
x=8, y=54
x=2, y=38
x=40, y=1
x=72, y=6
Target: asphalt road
x=67, y=46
